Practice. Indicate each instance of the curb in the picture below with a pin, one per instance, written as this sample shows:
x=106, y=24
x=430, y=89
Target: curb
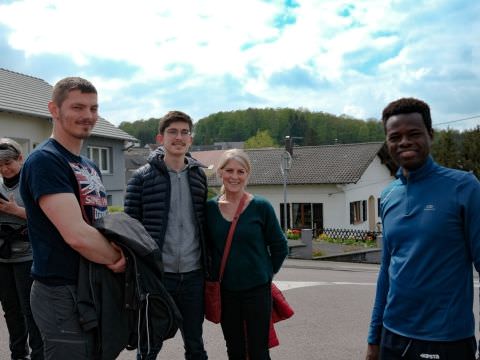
x=329, y=265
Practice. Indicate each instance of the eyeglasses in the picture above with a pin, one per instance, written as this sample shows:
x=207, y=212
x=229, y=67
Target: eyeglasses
x=7, y=146
x=175, y=132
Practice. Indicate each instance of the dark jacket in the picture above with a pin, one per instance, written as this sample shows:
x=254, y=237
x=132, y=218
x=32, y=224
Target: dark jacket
x=113, y=305
x=147, y=197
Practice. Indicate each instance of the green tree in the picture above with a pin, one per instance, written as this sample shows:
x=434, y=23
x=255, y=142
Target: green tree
x=312, y=128
x=446, y=149
x=470, y=152
x=261, y=139
x=144, y=130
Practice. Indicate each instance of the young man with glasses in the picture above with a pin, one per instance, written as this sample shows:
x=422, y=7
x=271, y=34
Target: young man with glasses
x=168, y=196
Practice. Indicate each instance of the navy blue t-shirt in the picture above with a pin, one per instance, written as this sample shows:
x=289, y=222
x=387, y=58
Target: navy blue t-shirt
x=52, y=169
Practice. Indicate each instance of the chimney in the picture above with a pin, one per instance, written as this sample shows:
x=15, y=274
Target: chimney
x=289, y=144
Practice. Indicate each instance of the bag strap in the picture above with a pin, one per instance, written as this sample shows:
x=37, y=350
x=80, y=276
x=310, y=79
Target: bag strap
x=228, y=243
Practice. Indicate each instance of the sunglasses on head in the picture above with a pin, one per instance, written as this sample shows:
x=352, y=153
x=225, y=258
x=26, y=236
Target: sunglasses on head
x=7, y=146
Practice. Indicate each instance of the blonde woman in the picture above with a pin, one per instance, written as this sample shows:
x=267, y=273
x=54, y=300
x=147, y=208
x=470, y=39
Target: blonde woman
x=257, y=252
x=16, y=257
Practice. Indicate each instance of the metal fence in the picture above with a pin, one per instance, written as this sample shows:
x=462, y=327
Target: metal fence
x=345, y=234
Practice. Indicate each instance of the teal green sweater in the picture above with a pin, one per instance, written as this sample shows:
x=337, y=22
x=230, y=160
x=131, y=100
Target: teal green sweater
x=258, y=246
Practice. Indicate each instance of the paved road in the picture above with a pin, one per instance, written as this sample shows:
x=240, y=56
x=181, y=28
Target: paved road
x=332, y=311
x=332, y=302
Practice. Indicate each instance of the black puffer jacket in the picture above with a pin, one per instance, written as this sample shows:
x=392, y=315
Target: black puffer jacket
x=147, y=197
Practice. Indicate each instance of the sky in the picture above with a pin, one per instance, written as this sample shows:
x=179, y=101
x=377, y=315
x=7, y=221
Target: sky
x=204, y=56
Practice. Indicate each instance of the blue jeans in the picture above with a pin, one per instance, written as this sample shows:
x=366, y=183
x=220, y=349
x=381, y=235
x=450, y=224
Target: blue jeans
x=15, y=299
x=186, y=289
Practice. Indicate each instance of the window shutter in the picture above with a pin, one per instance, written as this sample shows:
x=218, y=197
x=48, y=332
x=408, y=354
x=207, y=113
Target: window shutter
x=364, y=206
x=351, y=213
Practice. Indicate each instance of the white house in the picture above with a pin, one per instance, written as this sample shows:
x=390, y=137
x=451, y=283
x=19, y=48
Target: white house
x=24, y=117
x=331, y=186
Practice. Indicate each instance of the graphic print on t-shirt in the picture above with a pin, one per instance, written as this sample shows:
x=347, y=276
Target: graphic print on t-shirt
x=93, y=197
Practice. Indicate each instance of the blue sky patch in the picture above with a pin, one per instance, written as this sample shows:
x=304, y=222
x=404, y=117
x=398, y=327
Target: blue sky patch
x=367, y=60
x=296, y=77
x=383, y=33
x=292, y=4
x=346, y=11
x=111, y=68
x=285, y=19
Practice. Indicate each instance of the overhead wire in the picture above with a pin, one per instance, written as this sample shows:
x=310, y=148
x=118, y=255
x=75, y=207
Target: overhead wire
x=458, y=120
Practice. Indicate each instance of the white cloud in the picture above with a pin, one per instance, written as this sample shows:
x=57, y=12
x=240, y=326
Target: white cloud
x=362, y=55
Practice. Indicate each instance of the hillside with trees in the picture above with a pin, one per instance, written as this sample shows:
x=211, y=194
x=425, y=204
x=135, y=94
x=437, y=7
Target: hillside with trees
x=268, y=128
x=311, y=128
x=144, y=130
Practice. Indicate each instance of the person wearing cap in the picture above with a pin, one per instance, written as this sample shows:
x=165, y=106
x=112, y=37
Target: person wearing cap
x=16, y=258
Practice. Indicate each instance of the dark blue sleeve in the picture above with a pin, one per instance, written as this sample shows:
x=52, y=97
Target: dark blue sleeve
x=47, y=174
x=383, y=285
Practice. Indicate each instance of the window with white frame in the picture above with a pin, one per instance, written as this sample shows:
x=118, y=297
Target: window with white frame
x=358, y=212
x=102, y=156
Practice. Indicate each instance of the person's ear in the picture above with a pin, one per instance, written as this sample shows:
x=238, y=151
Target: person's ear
x=53, y=108
x=159, y=139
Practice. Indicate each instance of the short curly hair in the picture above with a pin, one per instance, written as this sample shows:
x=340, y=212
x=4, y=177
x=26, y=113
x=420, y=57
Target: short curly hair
x=171, y=117
x=408, y=106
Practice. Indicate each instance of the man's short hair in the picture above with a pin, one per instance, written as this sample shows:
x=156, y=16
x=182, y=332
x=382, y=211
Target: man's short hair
x=171, y=117
x=64, y=86
x=408, y=106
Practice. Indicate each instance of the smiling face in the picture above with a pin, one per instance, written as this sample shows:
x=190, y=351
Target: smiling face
x=76, y=116
x=11, y=167
x=176, y=139
x=408, y=140
x=234, y=176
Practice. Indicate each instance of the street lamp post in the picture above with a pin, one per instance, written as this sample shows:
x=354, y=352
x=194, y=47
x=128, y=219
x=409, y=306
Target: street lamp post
x=285, y=166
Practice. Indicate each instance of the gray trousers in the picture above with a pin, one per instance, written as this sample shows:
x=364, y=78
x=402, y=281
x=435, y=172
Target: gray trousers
x=54, y=309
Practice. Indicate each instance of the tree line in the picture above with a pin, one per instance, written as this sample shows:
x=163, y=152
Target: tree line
x=309, y=128
x=268, y=128
x=459, y=150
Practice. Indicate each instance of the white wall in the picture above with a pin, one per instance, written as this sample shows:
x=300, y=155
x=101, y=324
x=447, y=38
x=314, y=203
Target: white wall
x=26, y=130
x=373, y=181
x=335, y=198
x=29, y=131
